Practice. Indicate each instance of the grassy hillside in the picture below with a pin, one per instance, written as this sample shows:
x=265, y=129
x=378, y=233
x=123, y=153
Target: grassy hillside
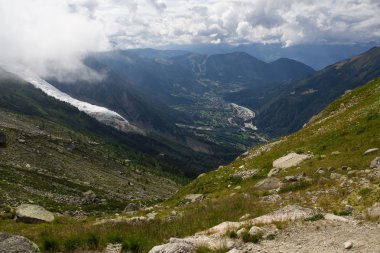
x=337, y=174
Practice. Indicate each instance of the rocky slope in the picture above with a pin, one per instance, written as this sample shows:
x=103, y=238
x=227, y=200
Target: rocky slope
x=54, y=155
x=331, y=167
x=290, y=195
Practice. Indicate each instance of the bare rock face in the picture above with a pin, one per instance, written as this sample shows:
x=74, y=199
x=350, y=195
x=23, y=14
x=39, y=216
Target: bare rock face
x=290, y=160
x=33, y=214
x=288, y=213
x=16, y=244
x=179, y=246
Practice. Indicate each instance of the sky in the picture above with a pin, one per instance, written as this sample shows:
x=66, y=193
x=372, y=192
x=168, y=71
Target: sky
x=52, y=36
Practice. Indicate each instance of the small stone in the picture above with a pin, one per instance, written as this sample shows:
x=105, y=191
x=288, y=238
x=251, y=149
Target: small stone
x=346, y=168
x=245, y=216
x=201, y=175
x=321, y=171
x=370, y=151
x=375, y=163
x=329, y=169
x=291, y=179
x=335, y=153
x=303, y=174
x=348, y=208
x=255, y=230
x=21, y=140
x=348, y=245
x=240, y=232
x=274, y=172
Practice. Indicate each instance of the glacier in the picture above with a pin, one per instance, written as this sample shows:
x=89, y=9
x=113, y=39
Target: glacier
x=102, y=114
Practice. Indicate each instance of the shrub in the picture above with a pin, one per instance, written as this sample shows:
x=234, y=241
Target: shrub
x=72, y=244
x=232, y=234
x=91, y=241
x=247, y=237
x=315, y=217
x=50, y=244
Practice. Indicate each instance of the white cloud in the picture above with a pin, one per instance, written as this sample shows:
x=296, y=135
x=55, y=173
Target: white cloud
x=45, y=33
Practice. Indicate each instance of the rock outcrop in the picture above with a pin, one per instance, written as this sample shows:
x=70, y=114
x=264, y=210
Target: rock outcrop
x=33, y=214
x=89, y=197
x=175, y=246
x=16, y=244
x=242, y=175
x=269, y=184
x=290, y=160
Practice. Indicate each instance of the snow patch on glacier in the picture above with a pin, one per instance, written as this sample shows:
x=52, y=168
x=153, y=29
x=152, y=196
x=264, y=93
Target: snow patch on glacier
x=102, y=114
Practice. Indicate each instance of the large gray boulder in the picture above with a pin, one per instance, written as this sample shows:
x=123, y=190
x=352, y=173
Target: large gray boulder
x=16, y=244
x=290, y=160
x=33, y=214
x=179, y=246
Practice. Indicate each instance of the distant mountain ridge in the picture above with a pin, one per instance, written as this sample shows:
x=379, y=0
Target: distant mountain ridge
x=169, y=90
x=289, y=107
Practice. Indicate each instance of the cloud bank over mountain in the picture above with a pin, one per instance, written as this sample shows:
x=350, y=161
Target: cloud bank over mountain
x=54, y=35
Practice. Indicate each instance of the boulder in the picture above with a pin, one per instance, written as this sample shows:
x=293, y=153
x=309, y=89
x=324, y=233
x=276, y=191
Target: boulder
x=269, y=184
x=191, y=198
x=370, y=151
x=132, y=207
x=288, y=213
x=16, y=244
x=348, y=245
x=290, y=160
x=245, y=174
x=255, y=230
x=29, y=213
x=375, y=163
x=3, y=140
x=89, y=197
x=180, y=246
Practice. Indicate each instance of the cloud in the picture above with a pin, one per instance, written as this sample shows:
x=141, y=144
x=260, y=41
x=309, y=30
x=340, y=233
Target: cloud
x=49, y=37
x=159, y=6
x=52, y=37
